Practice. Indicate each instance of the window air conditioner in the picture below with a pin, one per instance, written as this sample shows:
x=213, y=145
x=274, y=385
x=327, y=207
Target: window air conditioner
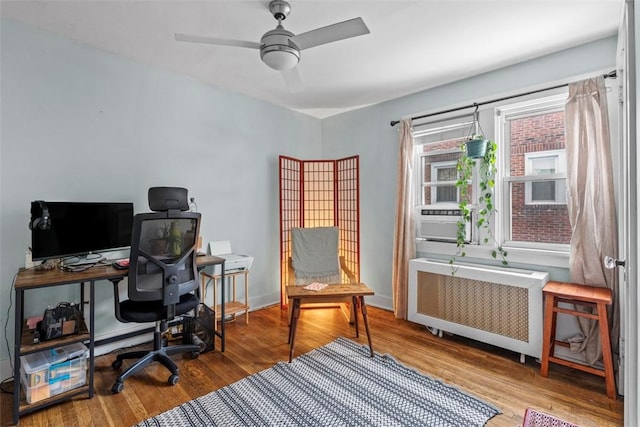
x=440, y=224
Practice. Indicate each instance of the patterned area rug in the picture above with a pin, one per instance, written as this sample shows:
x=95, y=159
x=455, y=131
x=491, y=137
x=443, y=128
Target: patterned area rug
x=533, y=418
x=335, y=385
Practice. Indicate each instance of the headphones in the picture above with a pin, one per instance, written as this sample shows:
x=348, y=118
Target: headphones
x=44, y=221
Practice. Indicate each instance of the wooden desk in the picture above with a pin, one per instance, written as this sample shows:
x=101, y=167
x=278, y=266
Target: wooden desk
x=30, y=279
x=355, y=291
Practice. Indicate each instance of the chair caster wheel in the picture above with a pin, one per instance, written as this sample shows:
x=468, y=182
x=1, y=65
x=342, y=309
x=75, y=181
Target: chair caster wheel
x=117, y=364
x=117, y=387
x=195, y=354
x=173, y=379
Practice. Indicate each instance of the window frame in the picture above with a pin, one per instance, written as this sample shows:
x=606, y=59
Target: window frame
x=524, y=254
x=503, y=114
x=437, y=184
x=442, y=126
x=560, y=171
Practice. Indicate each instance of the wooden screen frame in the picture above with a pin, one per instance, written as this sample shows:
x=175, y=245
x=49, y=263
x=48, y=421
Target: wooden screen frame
x=320, y=193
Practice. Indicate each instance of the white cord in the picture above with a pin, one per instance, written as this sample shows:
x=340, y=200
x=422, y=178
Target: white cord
x=193, y=206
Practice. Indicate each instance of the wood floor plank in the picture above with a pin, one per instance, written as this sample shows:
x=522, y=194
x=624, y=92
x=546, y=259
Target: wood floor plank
x=490, y=373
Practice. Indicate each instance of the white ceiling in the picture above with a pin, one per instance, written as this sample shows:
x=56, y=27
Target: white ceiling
x=413, y=45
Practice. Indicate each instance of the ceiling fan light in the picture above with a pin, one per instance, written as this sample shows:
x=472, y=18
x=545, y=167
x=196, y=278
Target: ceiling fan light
x=281, y=58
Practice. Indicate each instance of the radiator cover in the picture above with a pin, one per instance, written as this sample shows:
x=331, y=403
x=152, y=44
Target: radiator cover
x=499, y=306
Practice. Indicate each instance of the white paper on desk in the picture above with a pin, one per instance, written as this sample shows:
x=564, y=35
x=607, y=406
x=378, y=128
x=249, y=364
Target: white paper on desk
x=221, y=247
x=315, y=286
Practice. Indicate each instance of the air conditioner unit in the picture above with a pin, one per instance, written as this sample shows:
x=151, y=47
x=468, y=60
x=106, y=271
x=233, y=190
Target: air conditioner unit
x=440, y=224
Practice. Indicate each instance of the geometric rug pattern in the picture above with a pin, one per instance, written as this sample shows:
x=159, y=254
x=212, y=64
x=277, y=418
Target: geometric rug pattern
x=338, y=384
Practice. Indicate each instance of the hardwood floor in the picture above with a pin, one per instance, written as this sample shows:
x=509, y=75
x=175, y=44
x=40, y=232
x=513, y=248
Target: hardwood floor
x=489, y=373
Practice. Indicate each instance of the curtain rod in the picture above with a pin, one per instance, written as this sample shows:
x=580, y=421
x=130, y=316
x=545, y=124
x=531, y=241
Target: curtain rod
x=611, y=74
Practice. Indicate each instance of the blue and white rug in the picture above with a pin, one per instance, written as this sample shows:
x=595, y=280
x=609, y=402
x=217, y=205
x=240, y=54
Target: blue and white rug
x=335, y=385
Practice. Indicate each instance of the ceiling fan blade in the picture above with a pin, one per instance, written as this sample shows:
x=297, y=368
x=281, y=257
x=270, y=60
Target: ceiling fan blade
x=292, y=80
x=214, y=40
x=331, y=33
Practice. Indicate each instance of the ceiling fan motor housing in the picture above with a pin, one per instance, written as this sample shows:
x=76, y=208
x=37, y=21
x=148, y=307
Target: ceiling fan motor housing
x=279, y=9
x=278, y=51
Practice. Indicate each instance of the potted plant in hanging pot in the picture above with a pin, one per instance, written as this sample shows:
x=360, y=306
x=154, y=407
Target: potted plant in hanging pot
x=484, y=158
x=476, y=146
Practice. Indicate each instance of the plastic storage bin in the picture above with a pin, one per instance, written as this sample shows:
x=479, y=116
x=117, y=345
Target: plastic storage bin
x=35, y=366
x=75, y=350
x=51, y=372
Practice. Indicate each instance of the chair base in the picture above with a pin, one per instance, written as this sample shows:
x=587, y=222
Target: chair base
x=160, y=353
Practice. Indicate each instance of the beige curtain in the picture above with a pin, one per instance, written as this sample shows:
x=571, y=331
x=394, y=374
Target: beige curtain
x=404, y=237
x=591, y=204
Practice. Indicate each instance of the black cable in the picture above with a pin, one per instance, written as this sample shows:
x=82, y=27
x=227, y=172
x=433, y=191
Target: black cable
x=6, y=326
x=6, y=323
x=3, y=383
x=77, y=269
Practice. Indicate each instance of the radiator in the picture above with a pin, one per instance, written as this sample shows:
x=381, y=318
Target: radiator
x=498, y=306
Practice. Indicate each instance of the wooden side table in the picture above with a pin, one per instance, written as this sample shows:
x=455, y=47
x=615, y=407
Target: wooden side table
x=332, y=293
x=232, y=307
x=586, y=296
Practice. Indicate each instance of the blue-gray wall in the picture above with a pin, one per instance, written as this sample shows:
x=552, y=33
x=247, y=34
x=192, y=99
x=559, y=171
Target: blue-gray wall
x=83, y=124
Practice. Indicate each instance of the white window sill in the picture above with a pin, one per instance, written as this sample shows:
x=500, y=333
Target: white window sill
x=537, y=257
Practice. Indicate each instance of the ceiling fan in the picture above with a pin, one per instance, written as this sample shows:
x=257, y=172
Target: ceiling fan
x=279, y=48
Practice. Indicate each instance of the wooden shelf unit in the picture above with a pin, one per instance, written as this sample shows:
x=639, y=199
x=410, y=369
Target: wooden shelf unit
x=27, y=280
x=233, y=307
x=29, y=347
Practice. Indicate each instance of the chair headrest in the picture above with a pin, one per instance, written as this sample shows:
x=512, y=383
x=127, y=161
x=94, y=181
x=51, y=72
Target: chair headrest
x=162, y=199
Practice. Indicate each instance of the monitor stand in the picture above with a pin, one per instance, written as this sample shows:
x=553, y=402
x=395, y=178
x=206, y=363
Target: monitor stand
x=83, y=259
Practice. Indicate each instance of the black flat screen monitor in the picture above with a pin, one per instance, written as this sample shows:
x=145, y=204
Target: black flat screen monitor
x=79, y=228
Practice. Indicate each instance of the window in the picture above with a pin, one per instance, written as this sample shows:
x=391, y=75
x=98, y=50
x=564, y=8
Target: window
x=437, y=153
x=444, y=176
x=531, y=188
x=545, y=164
x=534, y=202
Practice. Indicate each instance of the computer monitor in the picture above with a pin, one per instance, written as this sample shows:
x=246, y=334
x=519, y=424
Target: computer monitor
x=79, y=229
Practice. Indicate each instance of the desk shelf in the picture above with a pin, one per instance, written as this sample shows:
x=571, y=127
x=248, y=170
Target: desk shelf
x=28, y=345
x=25, y=408
x=24, y=345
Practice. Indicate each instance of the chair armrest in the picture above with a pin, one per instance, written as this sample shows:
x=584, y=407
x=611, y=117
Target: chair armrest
x=292, y=272
x=116, y=299
x=349, y=273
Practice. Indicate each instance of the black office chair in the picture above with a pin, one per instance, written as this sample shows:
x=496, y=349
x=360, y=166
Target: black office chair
x=162, y=277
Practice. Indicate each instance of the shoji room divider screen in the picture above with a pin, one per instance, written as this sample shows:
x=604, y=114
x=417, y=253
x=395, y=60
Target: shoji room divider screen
x=320, y=193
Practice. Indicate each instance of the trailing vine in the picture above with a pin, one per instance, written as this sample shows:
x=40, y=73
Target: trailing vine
x=486, y=208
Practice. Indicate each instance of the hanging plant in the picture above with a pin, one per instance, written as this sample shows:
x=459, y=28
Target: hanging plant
x=484, y=158
x=476, y=147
